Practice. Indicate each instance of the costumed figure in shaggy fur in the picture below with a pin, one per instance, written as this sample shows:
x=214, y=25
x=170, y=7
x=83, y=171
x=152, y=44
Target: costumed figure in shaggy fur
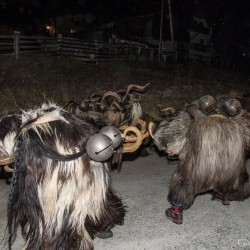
x=116, y=108
x=58, y=195
x=211, y=138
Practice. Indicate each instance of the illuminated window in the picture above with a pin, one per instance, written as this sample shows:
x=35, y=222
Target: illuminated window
x=50, y=29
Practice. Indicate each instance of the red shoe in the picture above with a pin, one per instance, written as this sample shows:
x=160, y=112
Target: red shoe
x=225, y=202
x=175, y=214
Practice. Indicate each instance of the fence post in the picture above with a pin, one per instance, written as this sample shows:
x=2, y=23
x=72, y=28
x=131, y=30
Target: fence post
x=59, y=40
x=139, y=53
x=152, y=54
x=16, y=44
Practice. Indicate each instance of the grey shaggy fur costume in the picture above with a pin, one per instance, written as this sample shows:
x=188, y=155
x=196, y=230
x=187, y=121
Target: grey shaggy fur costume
x=212, y=153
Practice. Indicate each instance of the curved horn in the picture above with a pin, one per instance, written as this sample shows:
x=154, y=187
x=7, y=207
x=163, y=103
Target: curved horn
x=71, y=103
x=151, y=127
x=132, y=143
x=137, y=87
x=169, y=110
x=6, y=160
x=8, y=169
x=111, y=93
x=117, y=105
x=143, y=129
x=95, y=97
x=141, y=123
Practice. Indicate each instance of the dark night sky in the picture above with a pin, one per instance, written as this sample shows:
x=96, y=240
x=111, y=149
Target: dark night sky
x=229, y=19
x=215, y=10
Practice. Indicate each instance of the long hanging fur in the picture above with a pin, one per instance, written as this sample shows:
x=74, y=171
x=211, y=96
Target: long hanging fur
x=212, y=153
x=59, y=203
x=244, y=120
x=9, y=127
x=213, y=159
x=172, y=133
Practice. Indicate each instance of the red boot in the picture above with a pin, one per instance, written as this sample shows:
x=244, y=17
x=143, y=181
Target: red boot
x=175, y=213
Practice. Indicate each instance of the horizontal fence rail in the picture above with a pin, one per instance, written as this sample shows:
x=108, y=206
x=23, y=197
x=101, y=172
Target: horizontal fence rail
x=6, y=44
x=91, y=51
x=96, y=51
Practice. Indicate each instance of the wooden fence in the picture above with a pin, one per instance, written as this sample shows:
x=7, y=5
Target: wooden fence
x=18, y=44
x=64, y=46
x=95, y=51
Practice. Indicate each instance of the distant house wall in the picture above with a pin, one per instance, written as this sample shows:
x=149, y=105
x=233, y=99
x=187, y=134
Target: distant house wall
x=200, y=48
x=201, y=34
x=200, y=38
x=135, y=28
x=9, y=29
x=138, y=28
x=63, y=24
x=72, y=23
x=69, y=23
x=148, y=30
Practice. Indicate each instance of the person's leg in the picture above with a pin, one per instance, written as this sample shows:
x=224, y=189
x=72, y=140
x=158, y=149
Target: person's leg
x=104, y=234
x=175, y=213
x=181, y=196
x=113, y=215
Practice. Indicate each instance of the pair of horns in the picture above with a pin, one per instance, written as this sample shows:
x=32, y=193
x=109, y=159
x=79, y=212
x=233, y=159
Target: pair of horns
x=133, y=136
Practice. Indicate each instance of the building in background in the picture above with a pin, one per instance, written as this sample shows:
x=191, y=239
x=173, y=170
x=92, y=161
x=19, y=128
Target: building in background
x=17, y=15
x=200, y=47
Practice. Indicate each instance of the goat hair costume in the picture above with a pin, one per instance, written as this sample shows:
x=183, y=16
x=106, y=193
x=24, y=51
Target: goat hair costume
x=58, y=196
x=211, y=144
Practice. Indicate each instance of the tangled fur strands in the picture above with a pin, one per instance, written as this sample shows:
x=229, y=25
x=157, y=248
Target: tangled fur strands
x=212, y=153
x=170, y=142
x=59, y=203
